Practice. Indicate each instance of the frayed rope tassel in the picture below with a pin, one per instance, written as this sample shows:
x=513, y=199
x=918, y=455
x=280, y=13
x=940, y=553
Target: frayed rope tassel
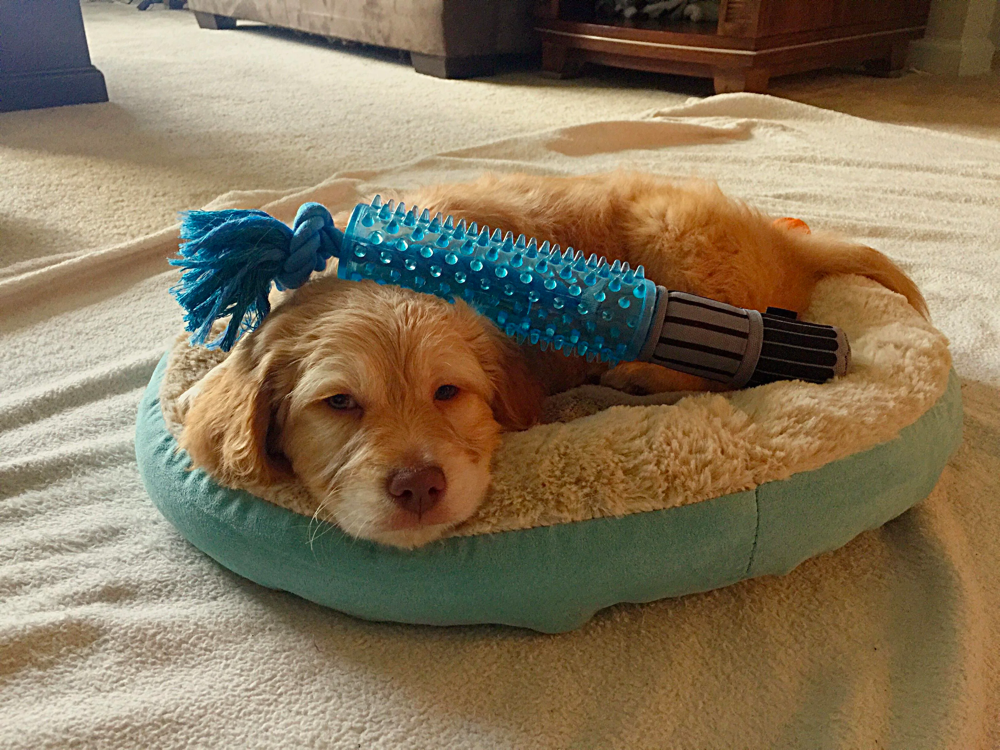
x=230, y=259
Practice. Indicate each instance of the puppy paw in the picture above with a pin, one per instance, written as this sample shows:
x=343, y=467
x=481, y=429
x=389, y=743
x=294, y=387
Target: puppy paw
x=642, y=379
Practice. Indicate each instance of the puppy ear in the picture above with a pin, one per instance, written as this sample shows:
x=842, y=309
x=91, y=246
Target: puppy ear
x=230, y=429
x=518, y=394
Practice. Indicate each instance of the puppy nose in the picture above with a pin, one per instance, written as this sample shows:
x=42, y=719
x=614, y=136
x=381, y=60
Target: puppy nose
x=417, y=488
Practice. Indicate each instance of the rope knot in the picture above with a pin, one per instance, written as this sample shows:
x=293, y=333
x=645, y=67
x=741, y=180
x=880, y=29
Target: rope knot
x=230, y=259
x=314, y=241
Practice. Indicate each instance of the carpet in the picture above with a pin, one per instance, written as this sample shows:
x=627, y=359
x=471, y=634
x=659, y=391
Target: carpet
x=115, y=633
x=194, y=113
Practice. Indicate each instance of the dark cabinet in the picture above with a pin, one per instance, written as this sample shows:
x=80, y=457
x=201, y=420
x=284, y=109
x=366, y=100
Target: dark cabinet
x=752, y=41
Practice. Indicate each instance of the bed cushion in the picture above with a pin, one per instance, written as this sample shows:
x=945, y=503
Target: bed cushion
x=624, y=500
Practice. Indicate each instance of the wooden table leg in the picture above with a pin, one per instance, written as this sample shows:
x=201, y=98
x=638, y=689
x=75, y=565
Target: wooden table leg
x=559, y=61
x=735, y=80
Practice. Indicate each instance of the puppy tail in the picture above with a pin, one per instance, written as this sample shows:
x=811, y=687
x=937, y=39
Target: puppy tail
x=827, y=258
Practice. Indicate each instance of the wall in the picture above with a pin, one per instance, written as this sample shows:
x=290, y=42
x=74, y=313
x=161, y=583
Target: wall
x=962, y=38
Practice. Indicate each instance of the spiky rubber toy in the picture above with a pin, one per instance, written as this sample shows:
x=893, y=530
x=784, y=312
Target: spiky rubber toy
x=538, y=293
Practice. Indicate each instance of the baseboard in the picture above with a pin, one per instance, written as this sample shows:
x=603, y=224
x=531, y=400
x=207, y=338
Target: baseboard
x=51, y=88
x=957, y=57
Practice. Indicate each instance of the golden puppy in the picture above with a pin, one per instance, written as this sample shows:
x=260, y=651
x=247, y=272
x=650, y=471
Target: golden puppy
x=387, y=404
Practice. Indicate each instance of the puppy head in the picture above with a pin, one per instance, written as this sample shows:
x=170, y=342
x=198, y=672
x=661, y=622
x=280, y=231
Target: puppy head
x=385, y=404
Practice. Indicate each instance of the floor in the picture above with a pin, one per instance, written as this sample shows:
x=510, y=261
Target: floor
x=194, y=113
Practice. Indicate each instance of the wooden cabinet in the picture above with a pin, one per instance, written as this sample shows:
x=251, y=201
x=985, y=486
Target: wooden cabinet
x=752, y=41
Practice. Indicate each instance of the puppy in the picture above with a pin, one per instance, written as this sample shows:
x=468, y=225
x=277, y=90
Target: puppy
x=387, y=405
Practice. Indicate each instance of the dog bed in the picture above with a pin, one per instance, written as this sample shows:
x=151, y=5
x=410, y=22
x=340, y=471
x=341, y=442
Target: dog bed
x=615, y=498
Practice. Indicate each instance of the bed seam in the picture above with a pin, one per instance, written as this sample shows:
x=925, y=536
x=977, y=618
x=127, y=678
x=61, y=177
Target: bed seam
x=756, y=531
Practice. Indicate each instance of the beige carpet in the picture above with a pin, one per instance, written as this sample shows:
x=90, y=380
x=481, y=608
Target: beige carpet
x=196, y=113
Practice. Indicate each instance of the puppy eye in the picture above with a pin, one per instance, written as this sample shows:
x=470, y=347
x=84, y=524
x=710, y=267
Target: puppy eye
x=342, y=402
x=446, y=393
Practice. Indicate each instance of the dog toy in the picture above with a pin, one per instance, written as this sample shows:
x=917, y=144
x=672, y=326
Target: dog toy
x=533, y=292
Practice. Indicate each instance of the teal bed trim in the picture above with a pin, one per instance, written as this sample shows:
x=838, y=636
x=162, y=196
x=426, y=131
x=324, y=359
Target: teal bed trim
x=552, y=578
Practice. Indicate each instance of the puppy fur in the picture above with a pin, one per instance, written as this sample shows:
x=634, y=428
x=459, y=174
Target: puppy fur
x=264, y=415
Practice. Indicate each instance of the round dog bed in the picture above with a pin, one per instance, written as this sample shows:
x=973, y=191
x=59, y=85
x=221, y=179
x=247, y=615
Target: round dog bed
x=624, y=499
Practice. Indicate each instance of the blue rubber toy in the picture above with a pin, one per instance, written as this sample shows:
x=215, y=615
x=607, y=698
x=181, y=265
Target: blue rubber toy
x=534, y=292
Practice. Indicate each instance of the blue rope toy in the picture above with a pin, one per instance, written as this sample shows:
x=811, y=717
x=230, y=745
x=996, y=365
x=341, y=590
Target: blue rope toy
x=230, y=258
x=533, y=292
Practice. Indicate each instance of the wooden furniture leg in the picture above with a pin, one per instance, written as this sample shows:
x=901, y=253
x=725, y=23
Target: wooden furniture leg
x=735, y=80
x=559, y=62
x=440, y=66
x=214, y=22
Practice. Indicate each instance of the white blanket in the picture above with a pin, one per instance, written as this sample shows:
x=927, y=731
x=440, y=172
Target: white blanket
x=114, y=632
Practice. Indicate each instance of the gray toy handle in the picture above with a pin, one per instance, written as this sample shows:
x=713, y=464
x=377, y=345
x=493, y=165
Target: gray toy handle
x=740, y=347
